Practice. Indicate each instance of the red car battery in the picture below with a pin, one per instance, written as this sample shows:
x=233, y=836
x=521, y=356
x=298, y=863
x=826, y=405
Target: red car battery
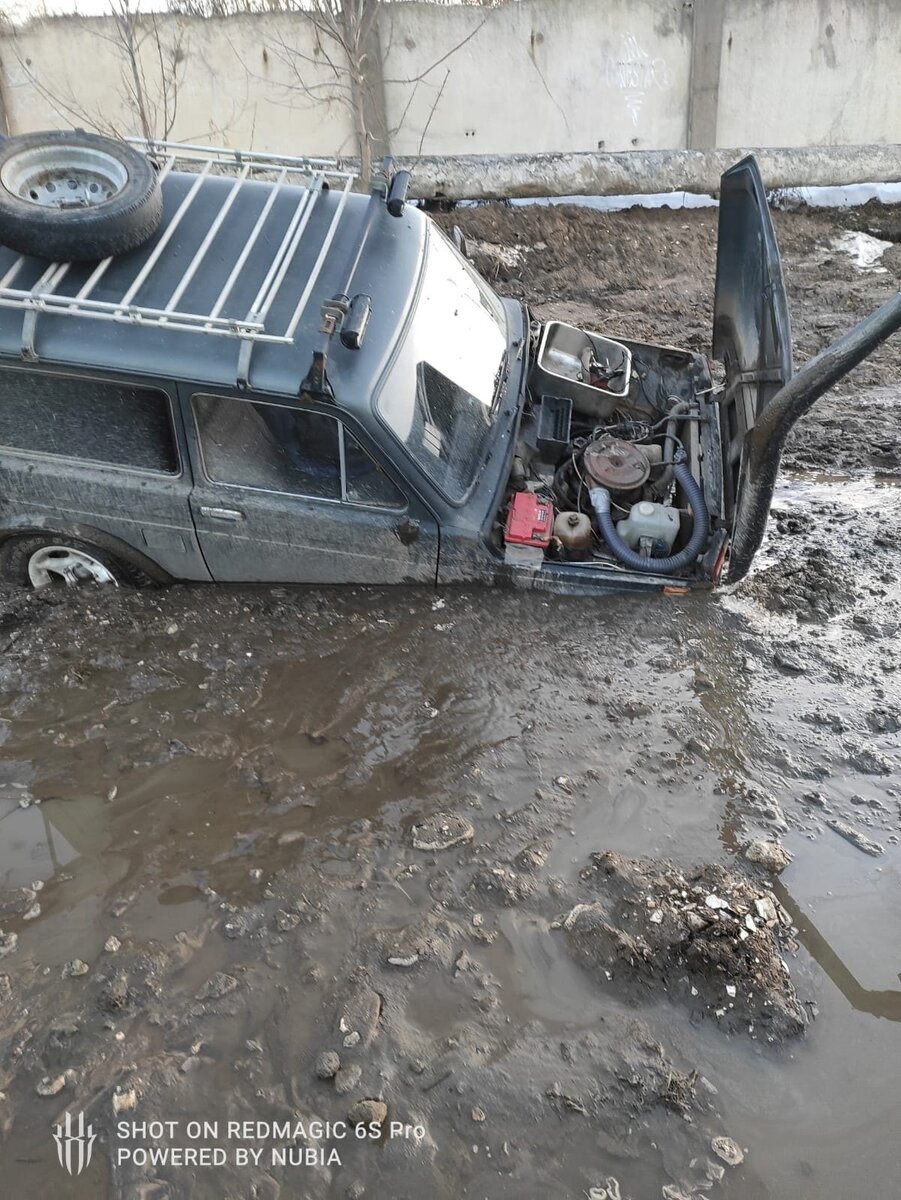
x=530, y=525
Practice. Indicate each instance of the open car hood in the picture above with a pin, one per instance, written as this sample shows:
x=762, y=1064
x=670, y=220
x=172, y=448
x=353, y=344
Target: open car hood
x=751, y=328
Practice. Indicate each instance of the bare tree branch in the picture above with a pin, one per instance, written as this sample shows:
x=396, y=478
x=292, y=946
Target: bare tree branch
x=425, y=128
x=346, y=33
x=444, y=57
x=149, y=81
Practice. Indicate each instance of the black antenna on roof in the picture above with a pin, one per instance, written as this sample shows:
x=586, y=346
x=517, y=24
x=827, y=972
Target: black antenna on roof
x=348, y=316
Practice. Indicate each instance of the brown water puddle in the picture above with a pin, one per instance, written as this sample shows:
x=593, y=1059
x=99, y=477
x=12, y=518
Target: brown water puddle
x=190, y=782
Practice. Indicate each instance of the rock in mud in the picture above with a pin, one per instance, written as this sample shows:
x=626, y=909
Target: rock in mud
x=75, y=968
x=51, y=1085
x=721, y=960
x=328, y=1064
x=868, y=760
x=728, y=1150
x=217, y=986
x=124, y=1101
x=368, y=1112
x=441, y=831
x=769, y=855
x=115, y=994
x=609, y=1190
x=856, y=838
x=402, y=960
x=360, y=1014
x=8, y=943
x=347, y=1079
x=788, y=661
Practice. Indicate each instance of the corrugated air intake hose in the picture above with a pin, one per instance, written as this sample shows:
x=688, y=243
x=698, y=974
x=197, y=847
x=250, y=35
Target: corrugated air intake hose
x=600, y=502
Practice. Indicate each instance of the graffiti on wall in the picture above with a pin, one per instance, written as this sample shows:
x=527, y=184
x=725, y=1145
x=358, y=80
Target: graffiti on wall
x=635, y=73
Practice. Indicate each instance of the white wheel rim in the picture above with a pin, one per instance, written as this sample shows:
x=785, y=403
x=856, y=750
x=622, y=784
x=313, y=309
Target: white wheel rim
x=61, y=176
x=65, y=564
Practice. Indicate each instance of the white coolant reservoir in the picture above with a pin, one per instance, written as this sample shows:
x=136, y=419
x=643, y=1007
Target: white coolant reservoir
x=649, y=520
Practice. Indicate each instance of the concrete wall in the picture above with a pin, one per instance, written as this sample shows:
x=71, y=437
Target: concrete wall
x=529, y=76
x=803, y=72
x=540, y=75
x=239, y=81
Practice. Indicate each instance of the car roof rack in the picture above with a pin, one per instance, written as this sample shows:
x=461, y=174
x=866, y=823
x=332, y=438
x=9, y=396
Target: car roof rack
x=311, y=175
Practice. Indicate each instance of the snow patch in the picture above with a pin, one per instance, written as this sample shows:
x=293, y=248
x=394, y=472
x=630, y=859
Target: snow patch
x=505, y=256
x=841, y=196
x=865, y=250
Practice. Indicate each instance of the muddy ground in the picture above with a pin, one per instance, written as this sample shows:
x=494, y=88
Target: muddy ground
x=484, y=864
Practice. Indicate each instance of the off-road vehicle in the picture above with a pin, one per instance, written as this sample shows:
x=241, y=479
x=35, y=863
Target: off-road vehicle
x=219, y=365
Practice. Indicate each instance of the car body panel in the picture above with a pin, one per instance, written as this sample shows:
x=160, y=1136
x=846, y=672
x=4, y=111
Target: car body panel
x=751, y=327
x=253, y=535
x=145, y=511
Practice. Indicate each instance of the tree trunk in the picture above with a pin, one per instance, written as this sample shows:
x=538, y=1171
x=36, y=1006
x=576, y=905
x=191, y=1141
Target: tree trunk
x=367, y=83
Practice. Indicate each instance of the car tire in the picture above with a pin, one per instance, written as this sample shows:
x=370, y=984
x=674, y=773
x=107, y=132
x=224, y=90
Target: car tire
x=47, y=559
x=72, y=196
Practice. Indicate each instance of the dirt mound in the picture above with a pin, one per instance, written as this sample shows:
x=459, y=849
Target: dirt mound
x=847, y=432
x=708, y=938
x=645, y=273
x=815, y=587
x=648, y=274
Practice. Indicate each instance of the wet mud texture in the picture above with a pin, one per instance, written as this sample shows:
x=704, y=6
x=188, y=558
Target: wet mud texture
x=495, y=864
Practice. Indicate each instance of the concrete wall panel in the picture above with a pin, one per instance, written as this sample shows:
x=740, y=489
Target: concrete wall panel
x=539, y=75
x=528, y=77
x=239, y=82
x=806, y=72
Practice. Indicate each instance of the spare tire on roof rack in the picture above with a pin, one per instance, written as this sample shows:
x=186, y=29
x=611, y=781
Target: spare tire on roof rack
x=76, y=196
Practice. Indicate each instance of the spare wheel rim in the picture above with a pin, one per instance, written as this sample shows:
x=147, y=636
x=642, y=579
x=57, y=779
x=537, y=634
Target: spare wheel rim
x=61, y=177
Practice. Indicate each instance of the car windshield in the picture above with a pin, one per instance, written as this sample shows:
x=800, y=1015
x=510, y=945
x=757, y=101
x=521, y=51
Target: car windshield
x=439, y=400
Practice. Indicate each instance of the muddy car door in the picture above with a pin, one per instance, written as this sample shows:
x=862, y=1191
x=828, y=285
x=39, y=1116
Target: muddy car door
x=97, y=458
x=288, y=494
x=751, y=329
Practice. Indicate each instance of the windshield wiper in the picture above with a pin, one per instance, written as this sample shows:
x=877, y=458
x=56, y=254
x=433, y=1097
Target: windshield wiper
x=500, y=382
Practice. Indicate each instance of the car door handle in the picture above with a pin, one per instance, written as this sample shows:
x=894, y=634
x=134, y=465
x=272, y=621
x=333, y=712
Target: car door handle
x=221, y=514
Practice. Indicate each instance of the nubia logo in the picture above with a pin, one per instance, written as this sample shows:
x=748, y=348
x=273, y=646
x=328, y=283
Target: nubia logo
x=74, y=1143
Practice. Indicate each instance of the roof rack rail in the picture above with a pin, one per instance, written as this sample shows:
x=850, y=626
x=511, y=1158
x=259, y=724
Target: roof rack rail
x=312, y=175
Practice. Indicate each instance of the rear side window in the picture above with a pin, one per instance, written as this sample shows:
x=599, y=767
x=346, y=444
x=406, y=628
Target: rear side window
x=273, y=448
x=94, y=420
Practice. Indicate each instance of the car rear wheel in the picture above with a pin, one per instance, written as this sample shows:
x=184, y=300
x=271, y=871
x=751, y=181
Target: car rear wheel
x=76, y=196
x=59, y=561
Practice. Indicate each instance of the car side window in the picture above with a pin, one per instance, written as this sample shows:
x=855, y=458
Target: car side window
x=274, y=448
x=364, y=481
x=92, y=420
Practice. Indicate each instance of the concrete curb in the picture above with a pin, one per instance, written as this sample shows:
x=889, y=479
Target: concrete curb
x=514, y=176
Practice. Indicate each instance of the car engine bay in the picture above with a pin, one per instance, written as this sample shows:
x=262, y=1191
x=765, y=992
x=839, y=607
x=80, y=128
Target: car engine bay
x=617, y=463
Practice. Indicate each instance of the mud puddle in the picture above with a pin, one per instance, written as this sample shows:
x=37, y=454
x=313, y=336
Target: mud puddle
x=257, y=830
